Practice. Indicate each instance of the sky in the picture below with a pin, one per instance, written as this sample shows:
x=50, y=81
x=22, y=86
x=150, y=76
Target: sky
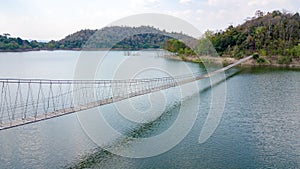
x=55, y=19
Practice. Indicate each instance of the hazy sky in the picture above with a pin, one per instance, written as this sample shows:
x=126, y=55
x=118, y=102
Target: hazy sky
x=54, y=19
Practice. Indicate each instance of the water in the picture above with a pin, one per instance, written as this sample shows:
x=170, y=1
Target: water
x=259, y=128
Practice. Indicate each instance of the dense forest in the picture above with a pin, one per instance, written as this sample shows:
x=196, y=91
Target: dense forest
x=18, y=44
x=143, y=41
x=177, y=46
x=268, y=34
x=123, y=37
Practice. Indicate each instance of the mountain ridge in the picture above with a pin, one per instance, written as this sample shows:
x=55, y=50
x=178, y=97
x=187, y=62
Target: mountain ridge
x=115, y=37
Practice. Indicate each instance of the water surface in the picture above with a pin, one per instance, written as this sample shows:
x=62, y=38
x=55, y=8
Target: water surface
x=260, y=126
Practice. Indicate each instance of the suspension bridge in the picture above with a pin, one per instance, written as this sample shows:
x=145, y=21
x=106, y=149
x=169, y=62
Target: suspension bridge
x=24, y=101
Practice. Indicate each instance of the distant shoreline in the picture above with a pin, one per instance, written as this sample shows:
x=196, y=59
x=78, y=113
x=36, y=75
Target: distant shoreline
x=203, y=59
x=76, y=49
x=228, y=60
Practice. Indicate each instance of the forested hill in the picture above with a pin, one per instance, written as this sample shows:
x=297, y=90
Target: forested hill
x=269, y=34
x=121, y=37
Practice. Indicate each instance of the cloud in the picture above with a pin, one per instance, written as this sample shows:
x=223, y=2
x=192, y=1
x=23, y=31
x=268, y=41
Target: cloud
x=212, y=2
x=142, y=4
x=185, y=1
x=181, y=13
x=258, y=2
x=199, y=11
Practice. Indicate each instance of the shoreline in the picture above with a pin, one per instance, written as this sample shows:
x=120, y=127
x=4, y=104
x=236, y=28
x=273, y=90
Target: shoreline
x=270, y=61
x=75, y=49
x=295, y=64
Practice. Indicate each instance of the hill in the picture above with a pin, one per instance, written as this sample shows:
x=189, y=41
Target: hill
x=274, y=35
x=121, y=37
x=18, y=44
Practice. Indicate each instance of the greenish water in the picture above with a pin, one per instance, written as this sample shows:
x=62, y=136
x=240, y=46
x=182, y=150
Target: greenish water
x=259, y=128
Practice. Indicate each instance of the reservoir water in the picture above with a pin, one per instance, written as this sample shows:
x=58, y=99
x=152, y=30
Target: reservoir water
x=259, y=127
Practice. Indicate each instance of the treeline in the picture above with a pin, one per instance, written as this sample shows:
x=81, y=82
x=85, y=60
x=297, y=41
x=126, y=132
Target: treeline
x=143, y=41
x=178, y=47
x=8, y=43
x=12, y=44
x=272, y=34
x=123, y=37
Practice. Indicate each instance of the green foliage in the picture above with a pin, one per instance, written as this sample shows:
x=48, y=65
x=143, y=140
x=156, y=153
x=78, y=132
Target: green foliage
x=143, y=41
x=176, y=46
x=131, y=38
x=197, y=61
x=235, y=52
x=11, y=44
x=205, y=47
x=275, y=33
x=123, y=37
x=295, y=51
x=263, y=52
x=284, y=59
x=261, y=60
x=258, y=59
x=255, y=56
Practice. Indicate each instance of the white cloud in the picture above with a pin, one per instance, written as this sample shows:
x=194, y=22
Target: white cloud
x=142, y=4
x=212, y=2
x=199, y=11
x=258, y=2
x=184, y=14
x=185, y=1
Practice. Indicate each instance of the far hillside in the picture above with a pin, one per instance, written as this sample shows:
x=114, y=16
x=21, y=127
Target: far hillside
x=122, y=37
x=116, y=37
x=275, y=35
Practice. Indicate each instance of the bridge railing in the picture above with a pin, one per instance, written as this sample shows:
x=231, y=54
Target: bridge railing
x=28, y=99
x=24, y=101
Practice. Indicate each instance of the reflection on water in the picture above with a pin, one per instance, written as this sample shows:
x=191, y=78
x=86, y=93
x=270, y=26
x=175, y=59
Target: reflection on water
x=260, y=127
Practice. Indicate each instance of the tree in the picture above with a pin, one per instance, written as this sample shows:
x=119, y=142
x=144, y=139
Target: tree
x=259, y=13
x=276, y=33
x=205, y=47
x=19, y=41
x=176, y=46
x=6, y=34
